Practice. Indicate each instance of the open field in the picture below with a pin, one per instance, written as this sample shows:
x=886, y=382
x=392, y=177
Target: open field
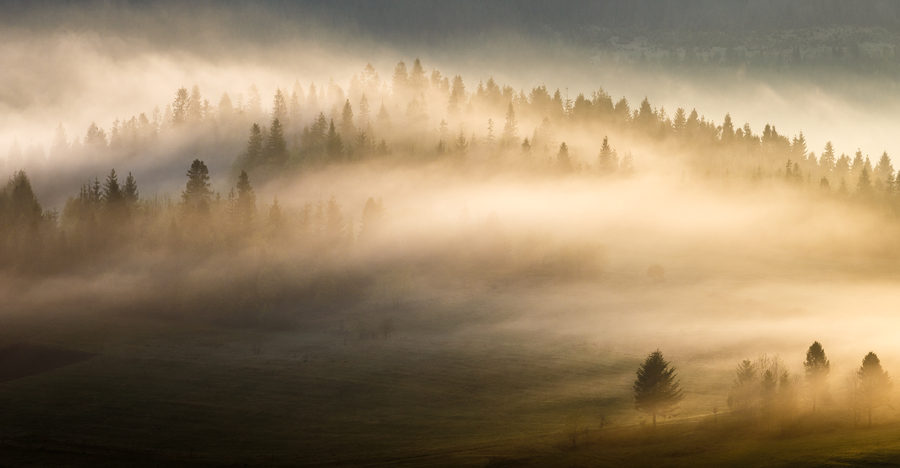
x=459, y=382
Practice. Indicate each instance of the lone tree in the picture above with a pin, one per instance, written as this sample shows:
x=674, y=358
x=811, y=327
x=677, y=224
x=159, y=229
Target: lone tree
x=817, y=368
x=656, y=392
x=874, y=385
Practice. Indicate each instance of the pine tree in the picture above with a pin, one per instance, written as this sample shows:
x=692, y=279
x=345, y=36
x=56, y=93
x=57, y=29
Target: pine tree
x=460, y=145
x=857, y=165
x=180, y=107
x=194, y=111
x=95, y=138
x=679, y=122
x=296, y=113
x=874, y=385
x=563, y=161
x=457, y=96
x=364, y=119
x=400, y=82
x=244, y=211
x=226, y=108
x=490, y=134
x=334, y=147
x=727, y=129
x=197, y=195
x=348, y=130
x=827, y=161
x=607, y=161
x=253, y=155
x=275, y=151
x=884, y=169
x=510, y=137
x=418, y=82
x=113, y=196
x=279, y=107
x=130, y=190
x=864, y=185
x=24, y=209
x=656, y=391
x=817, y=368
x=744, y=389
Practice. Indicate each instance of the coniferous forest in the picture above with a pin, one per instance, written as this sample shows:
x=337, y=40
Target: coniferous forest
x=612, y=234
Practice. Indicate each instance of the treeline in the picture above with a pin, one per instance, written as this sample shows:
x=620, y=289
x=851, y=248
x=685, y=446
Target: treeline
x=765, y=391
x=107, y=216
x=425, y=116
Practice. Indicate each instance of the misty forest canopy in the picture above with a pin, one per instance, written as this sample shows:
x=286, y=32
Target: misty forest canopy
x=415, y=115
x=407, y=116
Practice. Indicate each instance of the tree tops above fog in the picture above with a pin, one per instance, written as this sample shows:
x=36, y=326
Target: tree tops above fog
x=420, y=115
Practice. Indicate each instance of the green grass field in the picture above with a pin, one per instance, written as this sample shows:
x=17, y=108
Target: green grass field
x=436, y=392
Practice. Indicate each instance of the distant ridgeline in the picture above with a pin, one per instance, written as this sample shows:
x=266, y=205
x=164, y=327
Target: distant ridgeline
x=414, y=117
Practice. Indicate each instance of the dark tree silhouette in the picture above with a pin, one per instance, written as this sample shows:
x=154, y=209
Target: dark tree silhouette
x=130, y=190
x=607, y=161
x=817, y=368
x=656, y=391
x=196, y=195
x=334, y=147
x=244, y=204
x=874, y=385
x=253, y=155
x=24, y=208
x=275, y=152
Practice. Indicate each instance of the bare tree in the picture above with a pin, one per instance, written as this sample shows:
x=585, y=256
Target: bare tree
x=574, y=428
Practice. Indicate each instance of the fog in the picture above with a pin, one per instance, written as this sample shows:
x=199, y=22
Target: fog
x=463, y=201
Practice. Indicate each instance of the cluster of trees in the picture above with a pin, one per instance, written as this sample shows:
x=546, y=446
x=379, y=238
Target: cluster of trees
x=107, y=215
x=764, y=389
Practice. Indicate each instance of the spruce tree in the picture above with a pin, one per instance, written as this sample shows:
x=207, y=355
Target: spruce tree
x=334, y=147
x=253, y=155
x=874, y=385
x=275, y=151
x=817, y=368
x=864, y=185
x=196, y=195
x=607, y=162
x=279, y=107
x=113, y=196
x=656, y=391
x=244, y=210
x=348, y=130
x=24, y=209
x=180, y=107
x=563, y=161
x=827, y=161
x=130, y=190
x=510, y=135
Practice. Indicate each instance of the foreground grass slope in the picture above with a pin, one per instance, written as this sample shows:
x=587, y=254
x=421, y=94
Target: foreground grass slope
x=443, y=389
